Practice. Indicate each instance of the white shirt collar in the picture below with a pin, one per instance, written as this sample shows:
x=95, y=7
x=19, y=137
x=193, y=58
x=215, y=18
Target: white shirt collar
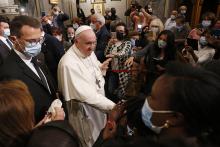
x=22, y=56
x=2, y=38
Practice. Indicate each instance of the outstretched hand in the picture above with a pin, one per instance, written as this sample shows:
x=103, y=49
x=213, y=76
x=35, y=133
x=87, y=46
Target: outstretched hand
x=105, y=64
x=129, y=61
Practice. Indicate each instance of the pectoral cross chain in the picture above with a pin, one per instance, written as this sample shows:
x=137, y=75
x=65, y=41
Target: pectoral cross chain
x=98, y=83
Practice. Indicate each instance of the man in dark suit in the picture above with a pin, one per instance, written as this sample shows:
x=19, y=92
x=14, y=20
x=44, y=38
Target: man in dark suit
x=5, y=43
x=27, y=40
x=102, y=35
x=53, y=50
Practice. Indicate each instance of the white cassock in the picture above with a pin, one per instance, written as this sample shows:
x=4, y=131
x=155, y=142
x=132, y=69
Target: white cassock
x=81, y=82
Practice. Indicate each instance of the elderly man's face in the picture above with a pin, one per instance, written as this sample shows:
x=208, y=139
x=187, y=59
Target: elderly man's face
x=86, y=42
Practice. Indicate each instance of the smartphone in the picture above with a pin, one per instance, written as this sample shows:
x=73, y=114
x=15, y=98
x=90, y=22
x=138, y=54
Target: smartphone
x=193, y=43
x=43, y=13
x=113, y=34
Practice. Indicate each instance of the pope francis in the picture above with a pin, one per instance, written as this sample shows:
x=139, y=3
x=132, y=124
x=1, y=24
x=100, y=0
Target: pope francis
x=81, y=82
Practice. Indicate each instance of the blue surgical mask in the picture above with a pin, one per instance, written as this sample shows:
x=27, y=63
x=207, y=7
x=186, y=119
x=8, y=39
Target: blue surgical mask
x=146, y=115
x=32, y=49
x=161, y=43
x=6, y=33
x=203, y=41
x=206, y=23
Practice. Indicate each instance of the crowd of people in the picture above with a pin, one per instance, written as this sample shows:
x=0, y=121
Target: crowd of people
x=97, y=82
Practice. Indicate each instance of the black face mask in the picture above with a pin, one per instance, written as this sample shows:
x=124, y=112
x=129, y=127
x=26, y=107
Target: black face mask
x=137, y=43
x=119, y=35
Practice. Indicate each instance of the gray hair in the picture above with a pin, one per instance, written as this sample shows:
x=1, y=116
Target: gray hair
x=99, y=17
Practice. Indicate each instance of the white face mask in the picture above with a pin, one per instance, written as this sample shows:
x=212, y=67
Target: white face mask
x=206, y=23
x=55, y=12
x=6, y=33
x=70, y=36
x=93, y=26
x=155, y=29
x=59, y=37
x=75, y=26
x=173, y=17
x=183, y=11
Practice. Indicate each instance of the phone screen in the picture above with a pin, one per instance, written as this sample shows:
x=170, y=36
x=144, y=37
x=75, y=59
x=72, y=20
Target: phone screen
x=193, y=43
x=43, y=13
x=139, y=28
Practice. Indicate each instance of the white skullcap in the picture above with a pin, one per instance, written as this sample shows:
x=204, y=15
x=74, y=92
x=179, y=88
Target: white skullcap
x=81, y=29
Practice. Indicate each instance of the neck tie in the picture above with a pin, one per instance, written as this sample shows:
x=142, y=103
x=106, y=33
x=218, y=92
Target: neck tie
x=9, y=43
x=40, y=73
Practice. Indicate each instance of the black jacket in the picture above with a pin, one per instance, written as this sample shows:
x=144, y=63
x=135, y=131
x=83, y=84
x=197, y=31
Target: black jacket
x=53, y=50
x=15, y=68
x=4, y=51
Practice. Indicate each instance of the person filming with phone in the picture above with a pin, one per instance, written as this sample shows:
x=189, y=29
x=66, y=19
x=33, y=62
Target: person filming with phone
x=200, y=54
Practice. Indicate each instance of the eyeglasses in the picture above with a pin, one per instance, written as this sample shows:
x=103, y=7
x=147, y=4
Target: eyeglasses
x=34, y=41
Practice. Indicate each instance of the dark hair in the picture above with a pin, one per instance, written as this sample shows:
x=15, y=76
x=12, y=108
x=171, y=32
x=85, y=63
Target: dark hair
x=133, y=113
x=56, y=30
x=55, y=133
x=170, y=50
x=4, y=19
x=181, y=19
x=122, y=24
x=19, y=21
x=196, y=95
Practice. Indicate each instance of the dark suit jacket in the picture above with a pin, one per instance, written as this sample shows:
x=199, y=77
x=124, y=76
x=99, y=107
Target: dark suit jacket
x=4, y=51
x=15, y=68
x=53, y=50
x=102, y=41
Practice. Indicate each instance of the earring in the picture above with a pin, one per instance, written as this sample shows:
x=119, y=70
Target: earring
x=167, y=124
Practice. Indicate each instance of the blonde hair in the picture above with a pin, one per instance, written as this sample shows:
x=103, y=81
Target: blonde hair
x=157, y=22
